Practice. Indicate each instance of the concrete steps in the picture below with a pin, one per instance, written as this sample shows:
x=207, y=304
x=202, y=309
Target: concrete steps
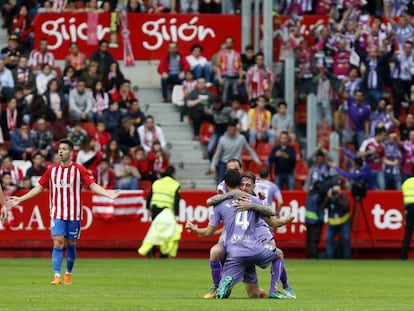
x=185, y=154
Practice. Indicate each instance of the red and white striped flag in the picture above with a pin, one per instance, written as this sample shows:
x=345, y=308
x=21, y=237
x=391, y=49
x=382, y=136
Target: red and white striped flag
x=129, y=205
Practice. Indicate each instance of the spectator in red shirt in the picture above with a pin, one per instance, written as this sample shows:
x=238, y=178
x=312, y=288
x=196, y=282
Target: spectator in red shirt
x=124, y=96
x=101, y=136
x=23, y=27
x=104, y=175
x=172, y=69
x=141, y=163
x=158, y=160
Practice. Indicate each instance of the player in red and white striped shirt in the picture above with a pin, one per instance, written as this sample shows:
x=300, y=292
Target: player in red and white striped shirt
x=65, y=181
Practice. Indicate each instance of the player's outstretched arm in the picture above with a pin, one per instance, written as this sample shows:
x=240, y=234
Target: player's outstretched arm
x=278, y=222
x=113, y=194
x=218, y=198
x=31, y=194
x=202, y=232
x=3, y=214
x=247, y=205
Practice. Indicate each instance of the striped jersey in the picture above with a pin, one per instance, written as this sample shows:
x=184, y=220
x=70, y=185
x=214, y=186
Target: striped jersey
x=65, y=186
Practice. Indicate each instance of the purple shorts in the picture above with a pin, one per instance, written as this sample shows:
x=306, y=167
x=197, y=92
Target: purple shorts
x=237, y=266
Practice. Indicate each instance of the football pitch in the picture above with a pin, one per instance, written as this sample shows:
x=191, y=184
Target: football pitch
x=179, y=284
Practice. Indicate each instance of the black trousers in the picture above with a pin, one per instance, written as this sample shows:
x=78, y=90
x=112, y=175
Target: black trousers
x=409, y=224
x=313, y=237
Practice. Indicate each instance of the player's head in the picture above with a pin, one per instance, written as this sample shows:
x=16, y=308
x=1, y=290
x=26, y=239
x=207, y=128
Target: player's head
x=234, y=164
x=232, y=178
x=264, y=172
x=65, y=149
x=248, y=180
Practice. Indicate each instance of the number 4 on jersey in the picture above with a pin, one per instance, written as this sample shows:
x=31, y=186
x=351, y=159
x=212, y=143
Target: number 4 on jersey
x=242, y=220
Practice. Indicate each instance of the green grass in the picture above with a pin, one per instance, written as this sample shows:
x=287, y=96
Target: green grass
x=179, y=284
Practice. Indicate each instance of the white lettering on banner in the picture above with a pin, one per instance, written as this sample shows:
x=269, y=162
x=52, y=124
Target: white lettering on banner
x=35, y=217
x=297, y=225
x=161, y=31
x=390, y=219
x=67, y=30
x=199, y=213
x=89, y=217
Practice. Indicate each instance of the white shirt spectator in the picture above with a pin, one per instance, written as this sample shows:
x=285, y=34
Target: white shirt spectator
x=6, y=78
x=147, y=137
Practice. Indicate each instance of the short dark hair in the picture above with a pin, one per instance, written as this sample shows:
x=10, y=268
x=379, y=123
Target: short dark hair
x=379, y=130
x=249, y=47
x=196, y=46
x=103, y=41
x=282, y=103
x=232, y=123
x=67, y=142
x=264, y=172
x=234, y=160
x=358, y=161
x=169, y=171
x=319, y=153
x=232, y=178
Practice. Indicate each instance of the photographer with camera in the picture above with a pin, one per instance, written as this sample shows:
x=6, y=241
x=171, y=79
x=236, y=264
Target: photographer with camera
x=339, y=221
x=360, y=171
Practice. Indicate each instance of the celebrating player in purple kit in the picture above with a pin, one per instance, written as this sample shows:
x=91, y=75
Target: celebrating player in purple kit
x=270, y=190
x=244, y=249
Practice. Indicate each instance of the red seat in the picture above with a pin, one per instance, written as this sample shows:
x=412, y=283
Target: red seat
x=295, y=146
x=206, y=131
x=246, y=158
x=301, y=114
x=213, y=90
x=263, y=150
x=145, y=185
x=301, y=174
x=255, y=168
x=89, y=127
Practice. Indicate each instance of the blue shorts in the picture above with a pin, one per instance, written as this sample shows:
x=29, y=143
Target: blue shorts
x=70, y=229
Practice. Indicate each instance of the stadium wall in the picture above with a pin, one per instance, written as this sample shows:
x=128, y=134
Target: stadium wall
x=117, y=229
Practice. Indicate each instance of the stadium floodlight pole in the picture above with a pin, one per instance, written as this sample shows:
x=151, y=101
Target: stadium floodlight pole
x=257, y=24
x=246, y=18
x=311, y=112
x=268, y=33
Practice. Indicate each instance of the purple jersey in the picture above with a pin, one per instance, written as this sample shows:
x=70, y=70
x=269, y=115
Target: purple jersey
x=241, y=239
x=270, y=190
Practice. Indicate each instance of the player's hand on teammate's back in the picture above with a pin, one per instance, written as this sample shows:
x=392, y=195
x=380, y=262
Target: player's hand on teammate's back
x=242, y=205
x=240, y=195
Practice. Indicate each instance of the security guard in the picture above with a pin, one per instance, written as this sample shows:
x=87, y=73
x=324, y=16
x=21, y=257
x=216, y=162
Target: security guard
x=165, y=193
x=163, y=202
x=408, y=197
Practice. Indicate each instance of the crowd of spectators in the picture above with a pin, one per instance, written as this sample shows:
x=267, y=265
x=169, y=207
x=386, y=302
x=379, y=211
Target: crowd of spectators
x=89, y=101
x=358, y=60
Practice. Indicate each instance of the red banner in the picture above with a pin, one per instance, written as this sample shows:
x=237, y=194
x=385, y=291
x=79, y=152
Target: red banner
x=149, y=33
x=383, y=229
